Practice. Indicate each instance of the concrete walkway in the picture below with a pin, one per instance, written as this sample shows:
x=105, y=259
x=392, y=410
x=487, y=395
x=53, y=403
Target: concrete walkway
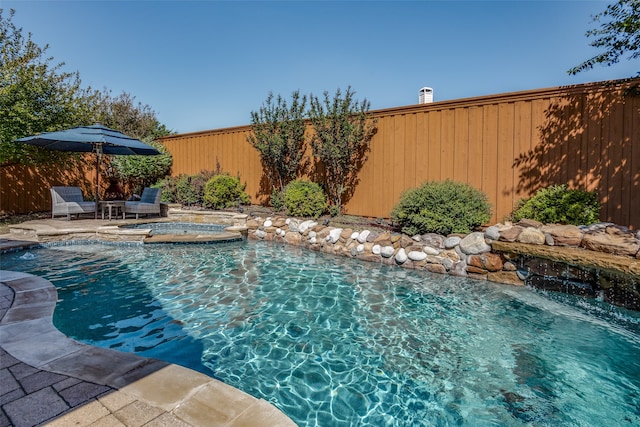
x=48, y=379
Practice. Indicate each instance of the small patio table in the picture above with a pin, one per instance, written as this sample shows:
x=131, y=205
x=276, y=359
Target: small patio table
x=118, y=205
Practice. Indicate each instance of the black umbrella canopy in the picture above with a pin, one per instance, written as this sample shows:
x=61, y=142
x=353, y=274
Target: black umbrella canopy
x=96, y=138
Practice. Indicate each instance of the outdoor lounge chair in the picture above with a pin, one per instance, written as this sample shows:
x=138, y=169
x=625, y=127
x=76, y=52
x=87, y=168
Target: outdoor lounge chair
x=149, y=203
x=68, y=201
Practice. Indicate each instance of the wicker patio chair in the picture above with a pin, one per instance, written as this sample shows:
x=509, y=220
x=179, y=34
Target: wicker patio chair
x=149, y=203
x=69, y=201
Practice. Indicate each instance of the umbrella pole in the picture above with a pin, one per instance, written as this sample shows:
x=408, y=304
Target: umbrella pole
x=98, y=160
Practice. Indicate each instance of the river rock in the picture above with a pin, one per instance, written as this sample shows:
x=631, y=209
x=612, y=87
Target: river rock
x=293, y=237
x=376, y=249
x=417, y=255
x=362, y=236
x=492, y=233
x=387, y=251
x=452, y=242
x=430, y=250
x=474, y=244
x=531, y=236
x=267, y=223
x=401, y=256
x=434, y=240
x=306, y=225
x=294, y=225
x=260, y=234
x=334, y=235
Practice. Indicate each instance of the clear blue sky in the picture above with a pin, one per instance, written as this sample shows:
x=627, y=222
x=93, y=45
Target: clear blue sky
x=207, y=64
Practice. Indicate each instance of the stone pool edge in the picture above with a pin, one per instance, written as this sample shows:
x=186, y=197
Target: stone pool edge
x=28, y=334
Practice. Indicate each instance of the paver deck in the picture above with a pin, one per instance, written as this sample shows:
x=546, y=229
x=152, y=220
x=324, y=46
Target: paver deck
x=48, y=379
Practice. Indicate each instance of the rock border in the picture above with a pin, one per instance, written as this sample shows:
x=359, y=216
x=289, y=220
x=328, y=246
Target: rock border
x=603, y=246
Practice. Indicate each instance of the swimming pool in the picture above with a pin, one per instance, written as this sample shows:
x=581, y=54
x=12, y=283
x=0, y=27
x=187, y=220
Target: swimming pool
x=333, y=341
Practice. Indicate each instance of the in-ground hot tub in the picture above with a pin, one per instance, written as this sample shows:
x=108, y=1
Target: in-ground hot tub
x=184, y=232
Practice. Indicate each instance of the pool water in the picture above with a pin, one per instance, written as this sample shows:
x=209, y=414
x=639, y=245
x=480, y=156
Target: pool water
x=333, y=341
x=163, y=228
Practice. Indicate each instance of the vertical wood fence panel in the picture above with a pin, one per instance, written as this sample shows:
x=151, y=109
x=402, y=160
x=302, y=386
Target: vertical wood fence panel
x=508, y=146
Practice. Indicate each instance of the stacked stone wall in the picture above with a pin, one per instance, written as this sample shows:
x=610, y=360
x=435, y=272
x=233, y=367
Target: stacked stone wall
x=501, y=253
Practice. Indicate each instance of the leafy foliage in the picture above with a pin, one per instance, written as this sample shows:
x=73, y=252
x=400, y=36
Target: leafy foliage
x=277, y=200
x=142, y=171
x=442, y=207
x=224, y=191
x=35, y=96
x=125, y=115
x=304, y=198
x=560, y=205
x=342, y=133
x=278, y=135
x=619, y=33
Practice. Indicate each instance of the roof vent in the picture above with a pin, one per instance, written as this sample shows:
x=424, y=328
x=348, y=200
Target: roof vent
x=425, y=95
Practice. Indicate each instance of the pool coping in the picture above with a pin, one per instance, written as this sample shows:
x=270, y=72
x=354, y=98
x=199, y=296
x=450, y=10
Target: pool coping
x=50, y=230
x=176, y=394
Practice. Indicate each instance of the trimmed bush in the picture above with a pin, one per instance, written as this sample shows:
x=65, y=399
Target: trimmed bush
x=560, y=205
x=442, y=207
x=224, y=191
x=305, y=199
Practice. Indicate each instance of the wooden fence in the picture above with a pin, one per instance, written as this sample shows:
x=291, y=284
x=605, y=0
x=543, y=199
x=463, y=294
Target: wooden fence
x=507, y=145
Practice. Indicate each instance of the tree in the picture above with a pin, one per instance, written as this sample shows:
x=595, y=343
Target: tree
x=138, y=121
x=619, y=33
x=342, y=133
x=35, y=95
x=122, y=113
x=279, y=136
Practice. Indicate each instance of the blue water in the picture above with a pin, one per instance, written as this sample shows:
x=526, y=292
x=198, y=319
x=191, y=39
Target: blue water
x=337, y=342
x=160, y=228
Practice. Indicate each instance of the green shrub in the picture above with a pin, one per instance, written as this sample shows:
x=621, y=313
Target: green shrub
x=560, y=205
x=168, y=187
x=224, y=191
x=277, y=200
x=442, y=207
x=305, y=199
x=184, y=189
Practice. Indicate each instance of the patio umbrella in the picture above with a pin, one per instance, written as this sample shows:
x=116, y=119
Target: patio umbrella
x=86, y=139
